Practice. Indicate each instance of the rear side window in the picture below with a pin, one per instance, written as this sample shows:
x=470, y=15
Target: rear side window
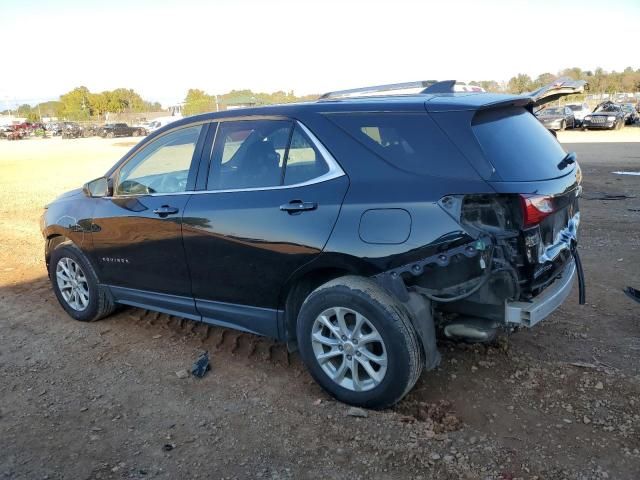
x=409, y=141
x=304, y=162
x=518, y=145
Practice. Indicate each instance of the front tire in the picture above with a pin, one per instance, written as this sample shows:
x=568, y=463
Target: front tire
x=76, y=285
x=358, y=343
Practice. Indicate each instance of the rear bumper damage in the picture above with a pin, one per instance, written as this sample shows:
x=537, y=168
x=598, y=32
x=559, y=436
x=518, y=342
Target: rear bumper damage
x=540, y=307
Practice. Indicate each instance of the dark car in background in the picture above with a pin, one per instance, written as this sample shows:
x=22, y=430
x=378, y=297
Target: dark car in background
x=54, y=128
x=464, y=221
x=71, y=130
x=630, y=114
x=557, y=118
x=607, y=115
x=112, y=130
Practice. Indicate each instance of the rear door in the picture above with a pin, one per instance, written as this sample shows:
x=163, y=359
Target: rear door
x=271, y=199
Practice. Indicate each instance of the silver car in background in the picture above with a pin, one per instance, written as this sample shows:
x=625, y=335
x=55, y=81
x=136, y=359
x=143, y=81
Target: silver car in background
x=580, y=110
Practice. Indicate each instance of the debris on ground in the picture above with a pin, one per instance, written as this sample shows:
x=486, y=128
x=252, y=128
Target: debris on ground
x=357, y=412
x=632, y=293
x=182, y=374
x=201, y=365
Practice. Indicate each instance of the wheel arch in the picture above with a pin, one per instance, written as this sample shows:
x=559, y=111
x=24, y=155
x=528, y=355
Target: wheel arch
x=305, y=280
x=51, y=243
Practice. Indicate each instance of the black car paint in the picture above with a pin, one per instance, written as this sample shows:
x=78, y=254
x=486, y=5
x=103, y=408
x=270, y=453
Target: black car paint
x=617, y=112
x=207, y=262
x=120, y=130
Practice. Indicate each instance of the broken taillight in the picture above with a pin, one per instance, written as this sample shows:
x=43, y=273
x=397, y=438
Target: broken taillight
x=535, y=208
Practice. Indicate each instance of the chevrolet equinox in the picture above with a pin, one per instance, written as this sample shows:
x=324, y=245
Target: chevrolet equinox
x=358, y=228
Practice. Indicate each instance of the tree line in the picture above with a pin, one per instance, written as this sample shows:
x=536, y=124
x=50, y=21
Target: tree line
x=198, y=101
x=599, y=80
x=81, y=104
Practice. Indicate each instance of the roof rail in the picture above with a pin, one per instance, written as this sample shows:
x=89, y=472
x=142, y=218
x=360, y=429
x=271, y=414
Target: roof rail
x=426, y=86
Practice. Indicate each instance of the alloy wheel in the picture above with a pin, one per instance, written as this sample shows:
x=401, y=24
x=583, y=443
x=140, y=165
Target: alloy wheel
x=72, y=283
x=349, y=349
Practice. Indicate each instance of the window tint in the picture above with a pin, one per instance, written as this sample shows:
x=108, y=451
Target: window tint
x=249, y=154
x=518, y=145
x=409, y=141
x=162, y=166
x=304, y=162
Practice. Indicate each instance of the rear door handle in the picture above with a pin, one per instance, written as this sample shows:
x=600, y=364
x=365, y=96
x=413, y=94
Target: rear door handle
x=165, y=210
x=298, y=206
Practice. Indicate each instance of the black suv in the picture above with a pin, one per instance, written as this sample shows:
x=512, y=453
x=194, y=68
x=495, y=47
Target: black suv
x=356, y=228
x=111, y=130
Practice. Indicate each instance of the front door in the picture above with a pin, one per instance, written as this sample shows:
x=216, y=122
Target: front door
x=273, y=195
x=137, y=233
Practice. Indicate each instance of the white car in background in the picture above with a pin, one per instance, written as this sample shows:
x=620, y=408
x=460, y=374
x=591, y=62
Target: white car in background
x=160, y=122
x=580, y=110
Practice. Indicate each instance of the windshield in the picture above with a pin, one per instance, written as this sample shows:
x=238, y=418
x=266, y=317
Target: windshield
x=575, y=108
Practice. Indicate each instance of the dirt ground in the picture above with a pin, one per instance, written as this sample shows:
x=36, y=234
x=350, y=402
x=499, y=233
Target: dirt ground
x=102, y=400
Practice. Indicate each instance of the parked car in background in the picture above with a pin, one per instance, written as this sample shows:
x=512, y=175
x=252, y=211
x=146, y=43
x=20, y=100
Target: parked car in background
x=557, y=118
x=464, y=221
x=111, y=130
x=71, y=130
x=607, y=115
x=12, y=132
x=90, y=130
x=54, y=128
x=630, y=114
x=161, y=122
x=580, y=110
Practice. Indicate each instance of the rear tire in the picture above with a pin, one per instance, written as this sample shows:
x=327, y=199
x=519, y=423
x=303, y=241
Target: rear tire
x=352, y=321
x=76, y=285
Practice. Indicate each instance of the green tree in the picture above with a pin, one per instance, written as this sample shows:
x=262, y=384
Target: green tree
x=75, y=104
x=520, y=83
x=197, y=101
x=488, y=85
x=23, y=110
x=53, y=108
x=543, y=79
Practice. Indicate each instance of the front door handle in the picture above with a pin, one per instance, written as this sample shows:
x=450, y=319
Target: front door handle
x=165, y=210
x=295, y=206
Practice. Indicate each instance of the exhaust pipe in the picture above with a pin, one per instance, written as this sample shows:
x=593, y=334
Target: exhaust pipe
x=471, y=330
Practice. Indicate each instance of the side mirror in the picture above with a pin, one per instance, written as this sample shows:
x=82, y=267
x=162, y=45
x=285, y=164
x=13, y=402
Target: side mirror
x=100, y=187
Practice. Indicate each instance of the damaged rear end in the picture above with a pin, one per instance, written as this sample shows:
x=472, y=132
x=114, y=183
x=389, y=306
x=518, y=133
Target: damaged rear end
x=519, y=260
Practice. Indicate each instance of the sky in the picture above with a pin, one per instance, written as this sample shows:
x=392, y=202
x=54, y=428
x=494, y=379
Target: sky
x=161, y=48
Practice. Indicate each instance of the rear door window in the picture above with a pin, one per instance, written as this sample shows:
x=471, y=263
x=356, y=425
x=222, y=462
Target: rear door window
x=249, y=154
x=518, y=145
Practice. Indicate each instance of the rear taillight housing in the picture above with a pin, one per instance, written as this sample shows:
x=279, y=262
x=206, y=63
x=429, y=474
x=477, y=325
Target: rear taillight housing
x=535, y=208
